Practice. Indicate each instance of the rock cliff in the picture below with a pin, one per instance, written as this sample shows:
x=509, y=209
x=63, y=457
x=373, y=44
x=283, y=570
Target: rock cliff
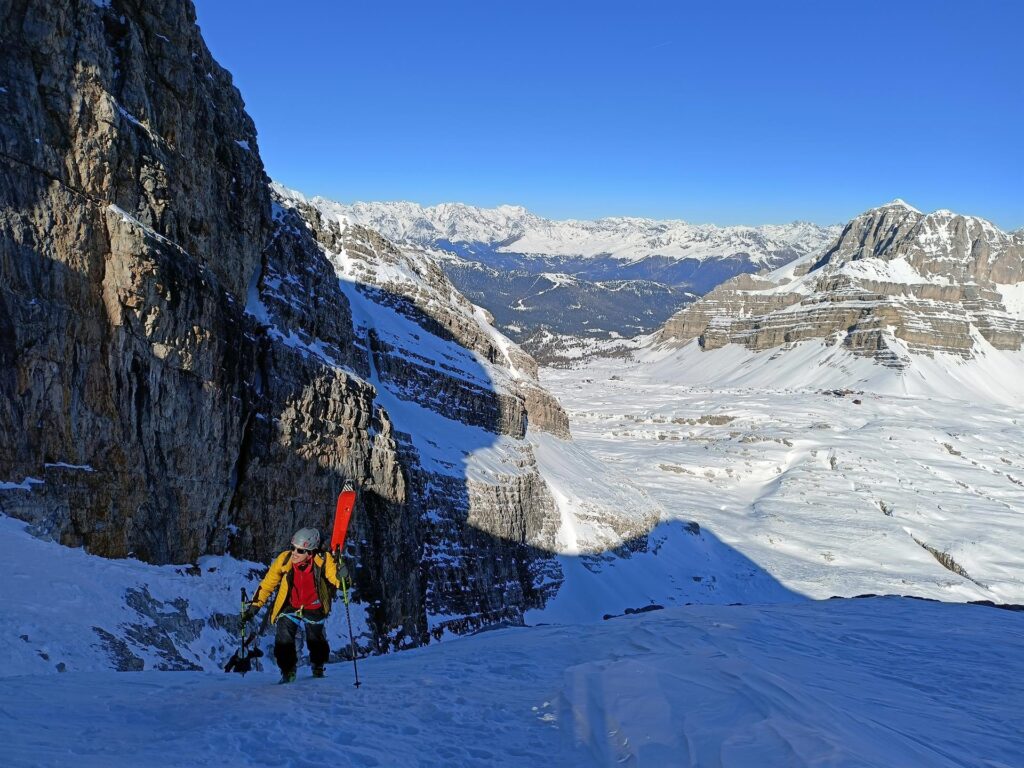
x=181, y=370
x=410, y=281
x=894, y=282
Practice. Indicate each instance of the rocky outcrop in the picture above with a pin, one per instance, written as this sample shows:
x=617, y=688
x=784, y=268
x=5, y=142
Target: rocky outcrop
x=181, y=371
x=930, y=282
x=544, y=410
x=411, y=282
x=131, y=221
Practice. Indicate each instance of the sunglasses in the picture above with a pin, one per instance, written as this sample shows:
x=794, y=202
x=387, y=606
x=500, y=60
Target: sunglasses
x=300, y=551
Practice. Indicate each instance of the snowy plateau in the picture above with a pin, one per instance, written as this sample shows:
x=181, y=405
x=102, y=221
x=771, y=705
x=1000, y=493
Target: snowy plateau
x=816, y=529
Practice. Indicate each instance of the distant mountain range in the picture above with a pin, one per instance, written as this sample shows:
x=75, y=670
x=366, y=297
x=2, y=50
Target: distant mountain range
x=613, y=276
x=514, y=230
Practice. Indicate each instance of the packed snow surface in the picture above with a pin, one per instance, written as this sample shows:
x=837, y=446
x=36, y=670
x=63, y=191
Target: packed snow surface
x=881, y=682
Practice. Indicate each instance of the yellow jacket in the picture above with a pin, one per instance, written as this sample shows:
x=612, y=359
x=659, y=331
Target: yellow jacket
x=325, y=576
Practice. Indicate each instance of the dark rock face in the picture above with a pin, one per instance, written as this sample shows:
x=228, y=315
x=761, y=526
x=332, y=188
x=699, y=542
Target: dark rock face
x=122, y=292
x=178, y=364
x=125, y=106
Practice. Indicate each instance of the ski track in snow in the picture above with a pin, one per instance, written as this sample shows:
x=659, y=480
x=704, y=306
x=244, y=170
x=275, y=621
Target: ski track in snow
x=882, y=682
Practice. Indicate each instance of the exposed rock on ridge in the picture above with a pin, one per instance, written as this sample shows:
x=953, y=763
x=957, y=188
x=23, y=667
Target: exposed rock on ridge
x=413, y=284
x=894, y=281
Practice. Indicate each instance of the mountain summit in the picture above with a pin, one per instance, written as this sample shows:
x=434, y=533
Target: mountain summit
x=895, y=283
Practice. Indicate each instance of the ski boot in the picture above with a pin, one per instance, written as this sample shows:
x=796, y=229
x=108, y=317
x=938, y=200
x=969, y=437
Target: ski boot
x=318, y=670
x=287, y=676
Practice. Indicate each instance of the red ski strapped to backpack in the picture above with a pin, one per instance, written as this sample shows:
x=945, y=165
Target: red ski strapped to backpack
x=342, y=514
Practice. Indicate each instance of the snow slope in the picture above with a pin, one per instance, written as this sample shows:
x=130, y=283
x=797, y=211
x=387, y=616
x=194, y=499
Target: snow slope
x=858, y=683
x=69, y=611
x=830, y=492
x=445, y=444
x=994, y=376
x=878, y=682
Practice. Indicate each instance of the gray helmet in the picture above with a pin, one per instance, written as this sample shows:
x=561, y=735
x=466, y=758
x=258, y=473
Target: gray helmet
x=306, y=538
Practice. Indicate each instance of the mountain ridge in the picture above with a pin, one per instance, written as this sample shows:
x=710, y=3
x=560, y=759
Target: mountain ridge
x=514, y=229
x=895, y=286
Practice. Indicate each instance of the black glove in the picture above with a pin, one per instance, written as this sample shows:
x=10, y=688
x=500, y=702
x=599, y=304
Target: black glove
x=249, y=612
x=342, y=571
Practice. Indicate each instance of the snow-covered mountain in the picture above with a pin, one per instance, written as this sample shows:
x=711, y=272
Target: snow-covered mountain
x=542, y=279
x=851, y=422
x=513, y=229
x=191, y=363
x=895, y=287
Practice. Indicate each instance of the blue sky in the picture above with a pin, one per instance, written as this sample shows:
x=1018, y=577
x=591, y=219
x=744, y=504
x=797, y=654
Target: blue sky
x=724, y=112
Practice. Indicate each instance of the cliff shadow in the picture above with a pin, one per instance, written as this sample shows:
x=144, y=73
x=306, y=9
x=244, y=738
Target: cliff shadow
x=676, y=563
x=450, y=426
x=474, y=576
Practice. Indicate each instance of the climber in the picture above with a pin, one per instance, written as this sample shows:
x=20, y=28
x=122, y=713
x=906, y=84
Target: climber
x=306, y=580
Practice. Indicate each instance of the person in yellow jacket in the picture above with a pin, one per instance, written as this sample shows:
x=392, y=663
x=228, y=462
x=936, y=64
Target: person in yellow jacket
x=305, y=580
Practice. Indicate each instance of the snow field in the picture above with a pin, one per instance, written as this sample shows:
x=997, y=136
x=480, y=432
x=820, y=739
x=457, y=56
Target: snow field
x=881, y=682
x=828, y=495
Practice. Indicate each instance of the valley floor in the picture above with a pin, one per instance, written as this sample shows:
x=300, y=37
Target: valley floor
x=830, y=492
x=877, y=682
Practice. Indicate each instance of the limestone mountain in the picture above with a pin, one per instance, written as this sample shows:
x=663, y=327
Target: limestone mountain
x=894, y=286
x=514, y=230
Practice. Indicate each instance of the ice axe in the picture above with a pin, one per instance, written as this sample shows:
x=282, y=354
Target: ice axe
x=242, y=660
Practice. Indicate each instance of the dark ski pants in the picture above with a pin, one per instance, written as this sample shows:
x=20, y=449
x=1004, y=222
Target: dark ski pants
x=284, y=642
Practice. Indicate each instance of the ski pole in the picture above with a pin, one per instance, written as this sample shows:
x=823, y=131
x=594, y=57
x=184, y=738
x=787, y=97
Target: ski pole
x=348, y=616
x=242, y=622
